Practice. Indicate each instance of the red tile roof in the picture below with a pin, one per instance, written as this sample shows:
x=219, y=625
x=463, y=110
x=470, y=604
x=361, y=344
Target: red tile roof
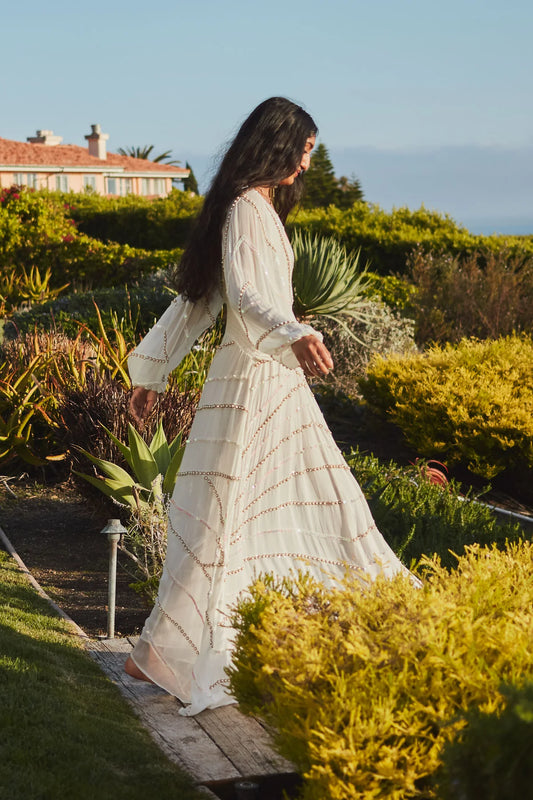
x=25, y=154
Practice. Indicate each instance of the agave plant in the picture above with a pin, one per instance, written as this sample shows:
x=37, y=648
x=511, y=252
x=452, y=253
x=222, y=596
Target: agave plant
x=109, y=357
x=36, y=288
x=26, y=412
x=327, y=280
x=30, y=287
x=153, y=466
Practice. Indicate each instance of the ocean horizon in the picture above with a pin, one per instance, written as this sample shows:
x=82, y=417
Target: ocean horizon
x=485, y=226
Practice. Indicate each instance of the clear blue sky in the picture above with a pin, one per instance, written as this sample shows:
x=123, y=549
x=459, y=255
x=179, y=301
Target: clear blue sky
x=423, y=101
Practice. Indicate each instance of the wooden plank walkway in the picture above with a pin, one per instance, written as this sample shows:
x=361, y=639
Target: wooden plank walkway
x=215, y=746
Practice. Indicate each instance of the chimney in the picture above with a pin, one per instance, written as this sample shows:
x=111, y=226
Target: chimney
x=45, y=137
x=97, y=142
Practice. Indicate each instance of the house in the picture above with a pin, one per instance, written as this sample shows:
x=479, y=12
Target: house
x=44, y=163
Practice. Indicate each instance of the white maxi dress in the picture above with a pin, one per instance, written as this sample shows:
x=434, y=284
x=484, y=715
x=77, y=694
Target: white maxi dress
x=263, y=486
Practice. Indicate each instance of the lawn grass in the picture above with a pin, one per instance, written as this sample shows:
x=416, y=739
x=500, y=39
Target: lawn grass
x=65, y=730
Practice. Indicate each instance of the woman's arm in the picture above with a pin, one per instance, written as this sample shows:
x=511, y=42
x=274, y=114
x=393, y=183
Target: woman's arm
x=257, y=279
x=169, y=340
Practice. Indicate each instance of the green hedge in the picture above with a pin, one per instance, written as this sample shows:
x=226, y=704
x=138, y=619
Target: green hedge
x=419, y=518
x=161, y=224
x=138, y=306
x=387, y=239
x=366, y=684
x=36, y=229
x=471, y=403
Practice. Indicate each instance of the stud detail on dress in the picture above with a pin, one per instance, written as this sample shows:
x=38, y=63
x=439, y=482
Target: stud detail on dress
x=178, y=626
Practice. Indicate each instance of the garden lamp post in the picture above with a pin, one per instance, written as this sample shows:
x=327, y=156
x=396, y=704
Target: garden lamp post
x=114, y=530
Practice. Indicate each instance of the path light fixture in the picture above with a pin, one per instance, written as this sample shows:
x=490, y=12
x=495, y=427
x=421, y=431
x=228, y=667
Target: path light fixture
x=114, y=530
x=246, y=790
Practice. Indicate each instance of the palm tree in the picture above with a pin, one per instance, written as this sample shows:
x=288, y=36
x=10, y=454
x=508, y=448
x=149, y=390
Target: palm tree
x=145, y=151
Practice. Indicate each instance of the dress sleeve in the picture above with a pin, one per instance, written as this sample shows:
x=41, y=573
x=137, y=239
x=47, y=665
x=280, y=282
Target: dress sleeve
x=170, y=339
x=257, y=275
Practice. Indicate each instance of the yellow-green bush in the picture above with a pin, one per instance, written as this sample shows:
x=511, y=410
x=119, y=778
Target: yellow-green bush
x=386, y=239
x=396, y=292
x=492, y=759
x=471, y=403
x=366, y=685
x=37, y=230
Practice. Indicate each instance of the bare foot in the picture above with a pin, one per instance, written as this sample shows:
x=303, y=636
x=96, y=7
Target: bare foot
x=131, y=668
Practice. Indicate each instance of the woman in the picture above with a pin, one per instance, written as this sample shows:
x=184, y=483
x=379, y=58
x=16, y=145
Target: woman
x=262, y=486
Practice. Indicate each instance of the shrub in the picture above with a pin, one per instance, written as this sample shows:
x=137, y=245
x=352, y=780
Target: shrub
x=491, y=758
x=87, y=262
x=152, y=470
x=387, y=239
x=353, y=342
x=152, y=224
x=367, y=684
x=94, y=422
x=39, y=371
x=144, y=489
x=85, y=412
x=486, y=295
x=33, y=372
x=393, y=290
x=31, y=224
x=472, y=403
x=133, y=308
x=37, y=231
x=418, y=517
x=22, y=287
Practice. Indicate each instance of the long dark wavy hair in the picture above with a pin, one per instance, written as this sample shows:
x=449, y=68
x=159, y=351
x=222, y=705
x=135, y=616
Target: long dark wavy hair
x=267, y=149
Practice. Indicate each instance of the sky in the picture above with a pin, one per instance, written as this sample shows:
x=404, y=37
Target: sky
x=425, y=102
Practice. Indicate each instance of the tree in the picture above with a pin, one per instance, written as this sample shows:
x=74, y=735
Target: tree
x=190, y=184
x=320, y=182
x=350, y=192
x=145, y=151
x=323, y=188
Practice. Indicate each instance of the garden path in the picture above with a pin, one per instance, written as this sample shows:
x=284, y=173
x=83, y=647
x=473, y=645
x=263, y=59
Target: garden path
x=215, y=746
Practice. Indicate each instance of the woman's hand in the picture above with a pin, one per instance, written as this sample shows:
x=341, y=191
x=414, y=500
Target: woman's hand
x=141, y=403
x=314, y=357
